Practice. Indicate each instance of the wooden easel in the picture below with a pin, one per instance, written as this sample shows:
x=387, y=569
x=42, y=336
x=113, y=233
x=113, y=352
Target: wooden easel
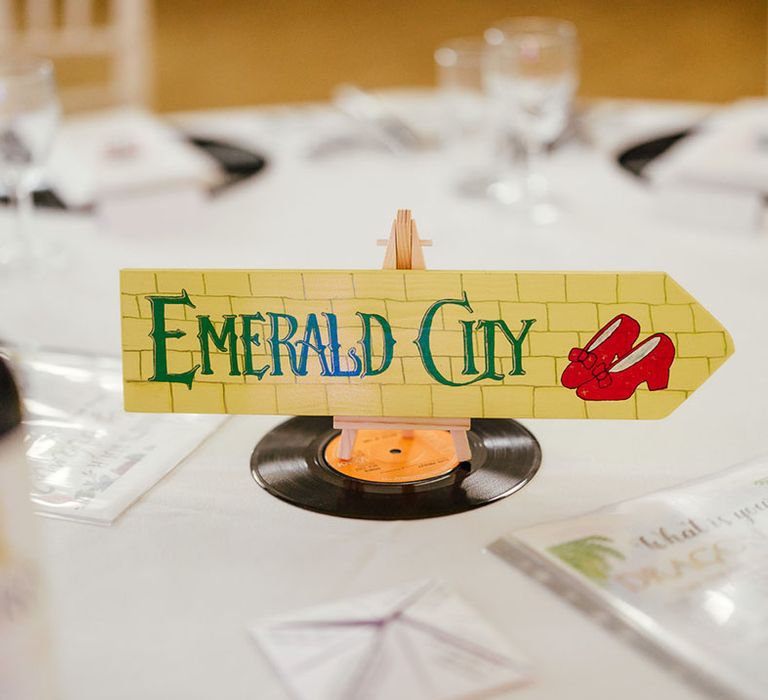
x=404, y=252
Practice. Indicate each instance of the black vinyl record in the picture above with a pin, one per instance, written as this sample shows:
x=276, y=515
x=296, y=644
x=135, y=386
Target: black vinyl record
x=289, y=462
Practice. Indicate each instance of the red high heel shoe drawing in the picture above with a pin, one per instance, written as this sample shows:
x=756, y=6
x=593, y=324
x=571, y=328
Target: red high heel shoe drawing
x=647, y=362
x=613, y=340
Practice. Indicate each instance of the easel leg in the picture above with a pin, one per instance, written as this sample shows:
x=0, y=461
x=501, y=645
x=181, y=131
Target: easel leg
x=347, y=444
x=461, y=445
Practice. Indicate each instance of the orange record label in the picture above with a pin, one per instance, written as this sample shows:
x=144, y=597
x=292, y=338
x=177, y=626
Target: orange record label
x=386, y=456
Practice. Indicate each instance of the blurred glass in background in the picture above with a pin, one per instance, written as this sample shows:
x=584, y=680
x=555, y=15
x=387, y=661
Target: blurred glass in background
x=460, y=80
x=29, y=113
x=531, y=74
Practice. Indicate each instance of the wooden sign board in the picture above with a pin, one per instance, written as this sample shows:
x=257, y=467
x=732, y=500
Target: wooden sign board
x=414, y=343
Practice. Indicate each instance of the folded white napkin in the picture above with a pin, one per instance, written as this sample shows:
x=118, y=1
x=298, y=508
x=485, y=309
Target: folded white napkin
x=122, y=151
x=730, y=150
x=413, y=642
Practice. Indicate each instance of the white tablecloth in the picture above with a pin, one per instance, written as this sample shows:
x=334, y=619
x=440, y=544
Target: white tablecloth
x=158, y=605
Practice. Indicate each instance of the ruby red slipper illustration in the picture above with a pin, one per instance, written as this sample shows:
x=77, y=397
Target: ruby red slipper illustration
x=610, y=367
x=612, y=341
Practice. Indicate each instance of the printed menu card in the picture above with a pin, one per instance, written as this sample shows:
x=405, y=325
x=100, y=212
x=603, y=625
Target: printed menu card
x=682, y=573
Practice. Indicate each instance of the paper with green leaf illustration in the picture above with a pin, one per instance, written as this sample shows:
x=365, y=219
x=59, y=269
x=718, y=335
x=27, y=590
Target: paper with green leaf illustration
x=685, y=569
x=590, y=556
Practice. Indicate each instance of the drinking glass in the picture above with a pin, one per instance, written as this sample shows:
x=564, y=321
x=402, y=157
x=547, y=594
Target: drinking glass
x=531, y=72
x=459, y=64
x=29, y=113
x=467, y=133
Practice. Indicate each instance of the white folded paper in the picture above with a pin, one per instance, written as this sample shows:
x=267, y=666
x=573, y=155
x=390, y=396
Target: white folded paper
x=122, y=152
x=718, y=176
x=413, y=642
x=730, y=150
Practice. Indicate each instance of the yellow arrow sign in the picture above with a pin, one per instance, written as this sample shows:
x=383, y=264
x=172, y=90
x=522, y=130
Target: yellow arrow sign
x=414, y=343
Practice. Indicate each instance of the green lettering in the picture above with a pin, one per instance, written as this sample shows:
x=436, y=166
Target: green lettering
x=365, y=341
x=308, y=343
x=249, y=339
x=226, y=341
x=160, y=335
x=489, y=333
x=422, y=340
x=334, y=346
x=469, y=348
x=275, y=341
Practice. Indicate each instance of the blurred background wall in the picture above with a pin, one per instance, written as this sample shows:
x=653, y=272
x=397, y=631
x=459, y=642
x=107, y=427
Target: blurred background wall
x=209, y=53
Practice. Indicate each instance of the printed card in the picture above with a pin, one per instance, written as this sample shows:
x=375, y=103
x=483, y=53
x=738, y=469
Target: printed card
x=685, y=569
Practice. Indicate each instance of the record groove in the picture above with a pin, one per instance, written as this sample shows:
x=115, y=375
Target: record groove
x=289, y=462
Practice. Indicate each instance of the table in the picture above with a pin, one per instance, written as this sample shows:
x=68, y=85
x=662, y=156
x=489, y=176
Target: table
x=158, y=605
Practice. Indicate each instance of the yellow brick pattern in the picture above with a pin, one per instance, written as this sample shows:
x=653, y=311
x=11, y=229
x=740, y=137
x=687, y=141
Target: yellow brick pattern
x=569, y=308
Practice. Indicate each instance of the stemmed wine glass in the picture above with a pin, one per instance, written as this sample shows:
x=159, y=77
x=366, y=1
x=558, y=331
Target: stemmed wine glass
x=470, y=129
x=531, y=73
x=29, y=113
x=459, y=64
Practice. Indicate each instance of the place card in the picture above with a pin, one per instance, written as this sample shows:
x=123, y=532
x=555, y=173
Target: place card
x=681, y=573
x=414, y=642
